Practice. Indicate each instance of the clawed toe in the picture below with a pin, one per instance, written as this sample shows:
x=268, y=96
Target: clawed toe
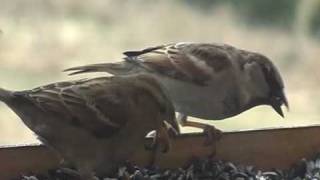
x=150, y=146
x=160, y=140
x=172, y=132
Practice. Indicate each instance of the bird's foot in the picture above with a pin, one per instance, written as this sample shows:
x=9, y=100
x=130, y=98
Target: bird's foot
x=171, y=131
x=212, y=135
x=161, y=138
x=150, y=146
x=157, y=143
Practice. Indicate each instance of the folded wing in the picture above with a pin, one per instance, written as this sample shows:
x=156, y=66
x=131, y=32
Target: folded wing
x=85, y=104
x=192, y=62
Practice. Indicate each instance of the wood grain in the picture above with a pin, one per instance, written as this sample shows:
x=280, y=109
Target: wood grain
x=265, y=149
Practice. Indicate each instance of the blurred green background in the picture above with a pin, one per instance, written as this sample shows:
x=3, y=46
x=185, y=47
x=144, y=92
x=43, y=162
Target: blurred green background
x=40, y=38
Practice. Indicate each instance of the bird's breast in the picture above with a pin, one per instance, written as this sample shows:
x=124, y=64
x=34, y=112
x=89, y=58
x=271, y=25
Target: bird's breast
x=216, y=101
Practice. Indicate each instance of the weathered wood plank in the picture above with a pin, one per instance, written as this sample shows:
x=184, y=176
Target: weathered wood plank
x=265, y=149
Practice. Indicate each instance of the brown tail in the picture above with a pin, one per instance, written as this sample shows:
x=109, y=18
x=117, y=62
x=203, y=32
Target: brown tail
x=120, y=68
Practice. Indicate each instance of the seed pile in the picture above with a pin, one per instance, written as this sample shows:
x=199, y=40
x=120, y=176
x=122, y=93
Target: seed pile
x=202, y=170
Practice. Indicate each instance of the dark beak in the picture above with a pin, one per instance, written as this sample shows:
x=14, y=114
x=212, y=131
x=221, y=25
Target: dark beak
x=278, y=109
x=278, y=101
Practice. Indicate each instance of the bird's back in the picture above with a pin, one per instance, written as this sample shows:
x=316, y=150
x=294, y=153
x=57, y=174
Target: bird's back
x=93, y=119
x=208, y=81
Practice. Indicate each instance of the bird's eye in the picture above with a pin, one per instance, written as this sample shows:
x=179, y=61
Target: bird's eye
x=277, y=99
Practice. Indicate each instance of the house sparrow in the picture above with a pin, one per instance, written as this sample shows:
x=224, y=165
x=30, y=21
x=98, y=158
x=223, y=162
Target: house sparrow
x=208, y=81
x=95, y=123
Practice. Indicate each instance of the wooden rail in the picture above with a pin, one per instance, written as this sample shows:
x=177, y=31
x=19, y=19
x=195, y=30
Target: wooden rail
x=265, y=149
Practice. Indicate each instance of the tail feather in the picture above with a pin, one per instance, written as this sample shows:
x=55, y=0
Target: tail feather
x=120, y=68
x=5, y=95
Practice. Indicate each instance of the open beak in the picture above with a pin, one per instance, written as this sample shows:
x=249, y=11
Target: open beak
x=277, y=102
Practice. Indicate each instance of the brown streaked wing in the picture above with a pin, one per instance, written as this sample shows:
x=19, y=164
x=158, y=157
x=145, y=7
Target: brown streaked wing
x=191, y=62
x=144, y=51
x=84, y=104
x=214, y=56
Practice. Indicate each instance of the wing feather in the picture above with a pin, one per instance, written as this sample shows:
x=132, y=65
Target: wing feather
x=86, y=106
x=196, y=63
x=193, y=62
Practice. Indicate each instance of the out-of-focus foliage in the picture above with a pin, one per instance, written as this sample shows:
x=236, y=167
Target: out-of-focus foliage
x=262, y=13
x=271, y=12
x=315, y=22
x=40, y=38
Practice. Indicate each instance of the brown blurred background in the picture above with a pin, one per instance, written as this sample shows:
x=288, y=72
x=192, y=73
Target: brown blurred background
x=40, y=38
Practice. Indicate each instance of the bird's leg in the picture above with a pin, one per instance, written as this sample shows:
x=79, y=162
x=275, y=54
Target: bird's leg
x=154, y=148
x=164, y=137
x=151, y=147
x=161, y=141
x=171, y=131
x=213, y=134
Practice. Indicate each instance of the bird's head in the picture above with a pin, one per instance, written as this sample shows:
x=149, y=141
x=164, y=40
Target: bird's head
x=266, y=83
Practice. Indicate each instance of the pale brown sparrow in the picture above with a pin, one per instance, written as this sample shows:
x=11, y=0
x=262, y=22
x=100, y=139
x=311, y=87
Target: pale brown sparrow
x=95, y=123
x=208, y=81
